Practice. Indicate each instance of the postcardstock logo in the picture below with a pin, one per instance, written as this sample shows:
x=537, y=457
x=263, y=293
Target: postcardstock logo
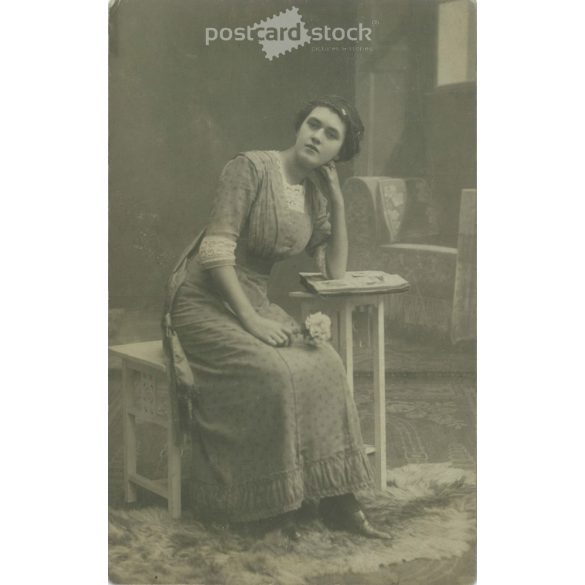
x=285, y=32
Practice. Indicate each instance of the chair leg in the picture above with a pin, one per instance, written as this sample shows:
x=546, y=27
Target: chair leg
x=129, y=427
x=174, y=475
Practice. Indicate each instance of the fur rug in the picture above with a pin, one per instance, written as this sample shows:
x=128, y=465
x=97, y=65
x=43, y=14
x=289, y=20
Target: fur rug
x=429, y=509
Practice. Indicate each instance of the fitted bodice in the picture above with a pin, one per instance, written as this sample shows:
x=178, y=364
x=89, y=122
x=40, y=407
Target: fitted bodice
x=261, y=220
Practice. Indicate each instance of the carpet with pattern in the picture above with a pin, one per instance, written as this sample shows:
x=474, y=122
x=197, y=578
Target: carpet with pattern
x=429, y=508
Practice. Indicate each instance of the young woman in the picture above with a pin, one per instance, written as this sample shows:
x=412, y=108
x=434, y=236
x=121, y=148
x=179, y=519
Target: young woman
x=271, y=420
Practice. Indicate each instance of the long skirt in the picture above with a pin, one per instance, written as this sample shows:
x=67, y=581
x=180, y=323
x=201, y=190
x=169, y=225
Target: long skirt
x=273, y=425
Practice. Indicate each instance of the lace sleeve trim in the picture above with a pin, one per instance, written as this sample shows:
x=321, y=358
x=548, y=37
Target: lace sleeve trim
x=217, y=249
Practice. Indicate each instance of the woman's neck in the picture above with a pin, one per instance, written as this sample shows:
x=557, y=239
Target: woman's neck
x=294, y=172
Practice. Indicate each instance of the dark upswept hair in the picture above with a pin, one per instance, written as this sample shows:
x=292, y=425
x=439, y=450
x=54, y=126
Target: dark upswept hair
x=354, y=127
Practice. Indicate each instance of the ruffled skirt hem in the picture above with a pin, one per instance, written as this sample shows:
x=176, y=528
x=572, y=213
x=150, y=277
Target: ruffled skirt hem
x=347, y=471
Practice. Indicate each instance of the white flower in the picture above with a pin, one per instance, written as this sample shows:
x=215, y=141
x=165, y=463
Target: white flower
x=318, y=327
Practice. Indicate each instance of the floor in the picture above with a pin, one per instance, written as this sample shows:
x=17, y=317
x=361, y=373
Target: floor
x=431, y=417
x=454, y=571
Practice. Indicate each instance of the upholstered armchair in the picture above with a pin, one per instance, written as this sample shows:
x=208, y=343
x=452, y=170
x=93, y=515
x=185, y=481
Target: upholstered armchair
x=393, y=226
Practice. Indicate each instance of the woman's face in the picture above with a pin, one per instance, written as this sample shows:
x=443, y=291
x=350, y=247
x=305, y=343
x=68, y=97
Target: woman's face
x=320, y=137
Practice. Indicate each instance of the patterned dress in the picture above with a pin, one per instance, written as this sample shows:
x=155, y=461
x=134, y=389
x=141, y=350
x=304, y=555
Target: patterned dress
x=269, y=426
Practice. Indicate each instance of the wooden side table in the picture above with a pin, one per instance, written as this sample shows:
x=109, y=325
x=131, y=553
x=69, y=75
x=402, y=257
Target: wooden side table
x=146, y=398
x=342, y=306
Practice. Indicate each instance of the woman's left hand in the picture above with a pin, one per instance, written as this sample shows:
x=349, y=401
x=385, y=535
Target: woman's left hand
x=327, y=181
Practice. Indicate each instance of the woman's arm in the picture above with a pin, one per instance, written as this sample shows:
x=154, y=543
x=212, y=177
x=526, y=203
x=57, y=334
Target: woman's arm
x=238, y=185
x=328, y=183
x=269, y=331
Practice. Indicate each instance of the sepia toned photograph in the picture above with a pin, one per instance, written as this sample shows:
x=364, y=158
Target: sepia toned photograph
x=292, y=292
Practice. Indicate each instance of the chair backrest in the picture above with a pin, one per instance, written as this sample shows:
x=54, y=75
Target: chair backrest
x=387, y=210
x=421, y=222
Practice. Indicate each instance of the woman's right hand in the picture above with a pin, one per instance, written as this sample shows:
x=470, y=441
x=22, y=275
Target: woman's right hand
x=269, y=331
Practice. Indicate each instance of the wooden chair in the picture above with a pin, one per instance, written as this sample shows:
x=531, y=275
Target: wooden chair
x=146, y=398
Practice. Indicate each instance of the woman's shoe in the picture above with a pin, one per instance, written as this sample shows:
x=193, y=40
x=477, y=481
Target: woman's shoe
x=344, y=513
x=358, y=523
x=289, y=526
x=291, y=531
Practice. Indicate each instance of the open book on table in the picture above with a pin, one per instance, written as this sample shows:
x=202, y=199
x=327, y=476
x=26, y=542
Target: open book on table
x=360, y=281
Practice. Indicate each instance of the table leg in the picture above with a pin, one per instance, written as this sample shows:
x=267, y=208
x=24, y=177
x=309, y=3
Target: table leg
x=335, y=316
x=346, y=341
x=379, y=394
x=129, y=427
